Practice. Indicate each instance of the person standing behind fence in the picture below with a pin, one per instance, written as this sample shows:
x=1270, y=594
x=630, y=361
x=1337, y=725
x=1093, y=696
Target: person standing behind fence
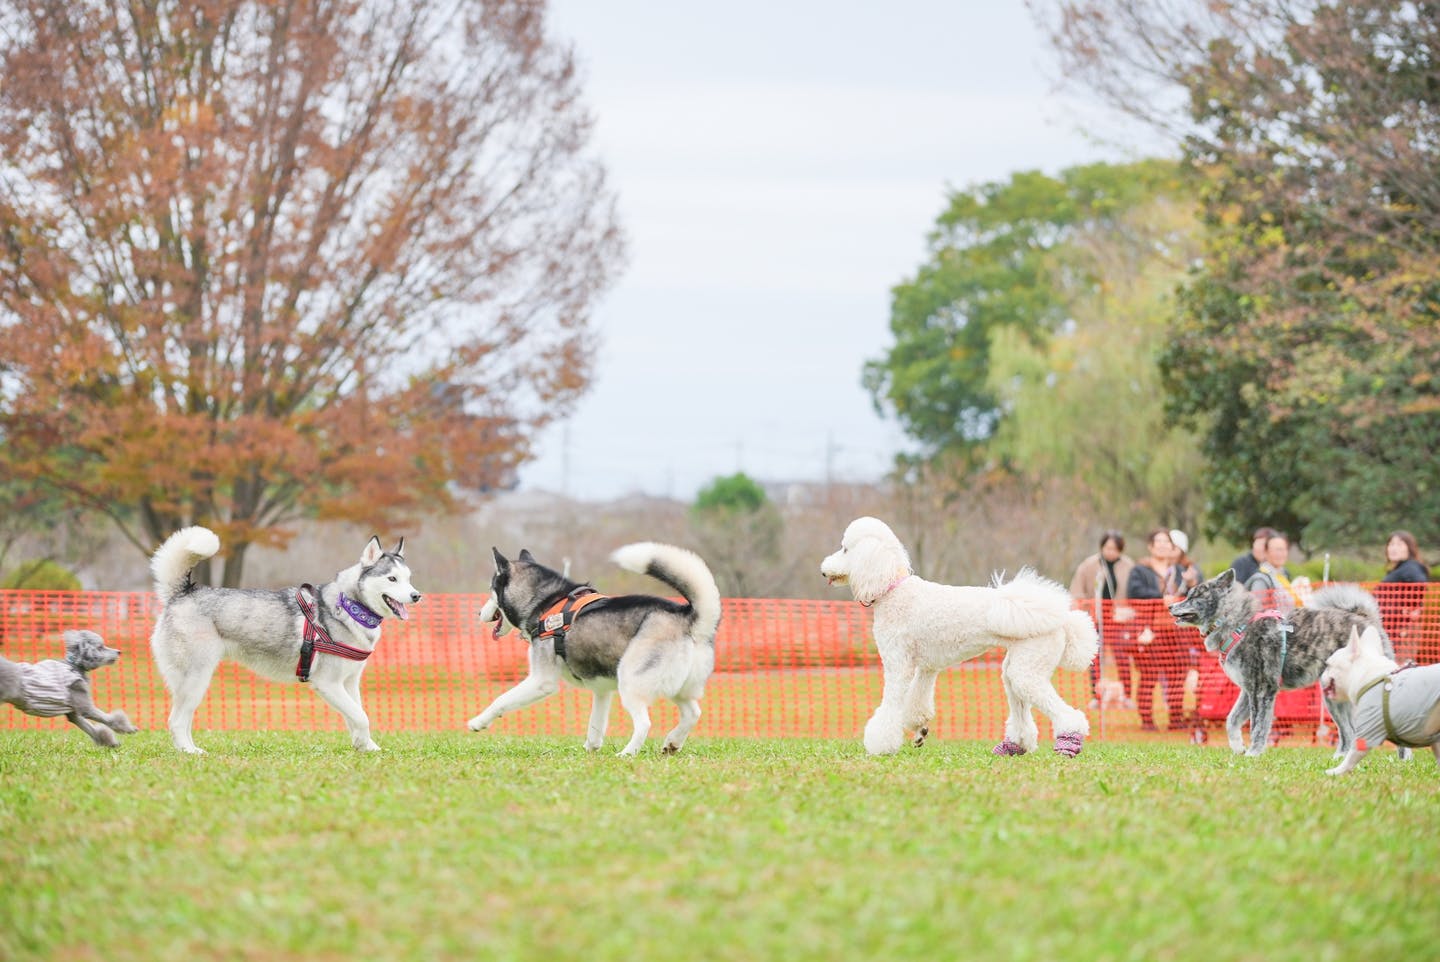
x=1272, y=581
x=1104, y=577
x=1186, y=574
x=1399, y=594
x=1248, y=563
x=1151, y=587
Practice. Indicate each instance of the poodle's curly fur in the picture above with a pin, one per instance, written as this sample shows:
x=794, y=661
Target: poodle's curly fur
x=922, y=628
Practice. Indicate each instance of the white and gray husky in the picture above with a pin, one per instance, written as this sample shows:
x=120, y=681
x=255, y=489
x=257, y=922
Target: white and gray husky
x=646, y=647
x=267, y=631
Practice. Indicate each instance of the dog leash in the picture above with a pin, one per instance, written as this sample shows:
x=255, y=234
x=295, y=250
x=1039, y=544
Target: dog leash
x=316, y=639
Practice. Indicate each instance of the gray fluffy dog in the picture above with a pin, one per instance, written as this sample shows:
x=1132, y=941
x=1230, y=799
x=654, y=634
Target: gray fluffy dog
x=52, y=688
x=1265, y=654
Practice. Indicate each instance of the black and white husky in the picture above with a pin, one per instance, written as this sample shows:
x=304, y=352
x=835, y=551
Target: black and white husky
x=646, y=647
x=266, y=629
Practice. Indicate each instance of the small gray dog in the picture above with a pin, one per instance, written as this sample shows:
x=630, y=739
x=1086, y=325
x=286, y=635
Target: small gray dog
x=1265, y=651
x=52, y=688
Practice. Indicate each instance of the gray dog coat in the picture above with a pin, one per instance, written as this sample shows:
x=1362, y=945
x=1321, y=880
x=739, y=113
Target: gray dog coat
x=46, y=687
x=1403, y=707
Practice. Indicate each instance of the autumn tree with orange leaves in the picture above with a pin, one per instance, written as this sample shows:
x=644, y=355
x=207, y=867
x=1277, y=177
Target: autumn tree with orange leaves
x=267, y=260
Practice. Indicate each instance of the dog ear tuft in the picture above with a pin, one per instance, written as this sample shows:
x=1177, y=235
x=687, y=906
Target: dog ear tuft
x=501, y=563
x=372, y=551
x=1226, y=578
x=526, y=556
x=399, y=551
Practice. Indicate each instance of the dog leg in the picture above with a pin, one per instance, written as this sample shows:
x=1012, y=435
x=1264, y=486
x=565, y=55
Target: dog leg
x=1344, y=725
x=920, y=705
x=1235, y=722
x=1021, y=735
x=116, y=721
x=532, y=689
x=356, y=720
x=1352, y=758
x=186, y=692
x=99, y=734
x=689, y=715
x=1262, y=716
x=599, y=720
x=639, y=714
x=885, y=731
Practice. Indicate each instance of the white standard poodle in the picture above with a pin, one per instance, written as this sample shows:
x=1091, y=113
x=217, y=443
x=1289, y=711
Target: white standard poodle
x=922, y=627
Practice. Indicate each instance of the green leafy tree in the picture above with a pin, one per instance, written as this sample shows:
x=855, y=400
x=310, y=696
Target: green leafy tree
x=739, y=530
x=994, y=266
x=1087, y=404
x=1307, y=345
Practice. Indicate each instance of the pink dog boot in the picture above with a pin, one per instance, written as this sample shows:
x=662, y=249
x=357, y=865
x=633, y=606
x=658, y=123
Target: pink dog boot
x=1007, y=747
x=1069, y=743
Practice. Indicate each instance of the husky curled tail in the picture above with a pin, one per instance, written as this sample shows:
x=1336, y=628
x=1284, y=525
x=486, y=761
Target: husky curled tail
x=682, y=570
x=181, y=552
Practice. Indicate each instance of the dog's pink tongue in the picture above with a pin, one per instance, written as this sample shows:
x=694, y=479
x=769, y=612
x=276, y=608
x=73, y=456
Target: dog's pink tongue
x=499, y=623
x=401, y=612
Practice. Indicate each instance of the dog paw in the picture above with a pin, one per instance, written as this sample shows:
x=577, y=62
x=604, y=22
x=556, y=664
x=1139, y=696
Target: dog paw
x=919, y=738
x=1008, y=748
x=1337, y=770
x=121, y=723
x=627, y=752
x=477, y=724
x=669, y=749
x=594, y=746
x=1069, y=744
x=105, y=738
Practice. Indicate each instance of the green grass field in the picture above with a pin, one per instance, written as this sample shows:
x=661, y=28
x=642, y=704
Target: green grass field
x=453, y=846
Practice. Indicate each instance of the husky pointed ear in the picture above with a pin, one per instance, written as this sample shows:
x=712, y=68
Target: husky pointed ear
x=526, y=556
x=1367, y=642
x=1225, y=579
x=399, y=550
x=501, y=562
x=372, y=551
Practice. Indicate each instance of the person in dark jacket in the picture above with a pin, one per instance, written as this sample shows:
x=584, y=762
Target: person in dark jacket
x=1161, y=657
x=1247, y=564
x=1402, y=557
x=1401, y=596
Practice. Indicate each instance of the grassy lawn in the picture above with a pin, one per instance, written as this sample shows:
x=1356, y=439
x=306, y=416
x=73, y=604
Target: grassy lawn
x=458, y=846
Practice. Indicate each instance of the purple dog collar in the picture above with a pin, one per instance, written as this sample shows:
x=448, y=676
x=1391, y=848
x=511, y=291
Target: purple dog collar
x=360, y=613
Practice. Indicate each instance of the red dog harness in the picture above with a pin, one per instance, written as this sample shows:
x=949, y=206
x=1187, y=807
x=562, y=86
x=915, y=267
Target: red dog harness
x=556, y=622
x=317, y=638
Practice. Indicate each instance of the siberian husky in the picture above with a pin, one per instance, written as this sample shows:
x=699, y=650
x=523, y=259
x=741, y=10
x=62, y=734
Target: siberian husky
x=266, y=630
x=647, y=647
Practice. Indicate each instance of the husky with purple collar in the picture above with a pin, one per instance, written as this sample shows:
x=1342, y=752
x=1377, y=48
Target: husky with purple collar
x=267, y=630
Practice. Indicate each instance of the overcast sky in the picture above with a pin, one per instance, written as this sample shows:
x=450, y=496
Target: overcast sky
x=778, y=167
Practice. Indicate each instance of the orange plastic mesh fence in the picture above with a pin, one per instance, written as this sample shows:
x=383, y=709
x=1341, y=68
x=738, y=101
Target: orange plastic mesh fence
x=783, y=669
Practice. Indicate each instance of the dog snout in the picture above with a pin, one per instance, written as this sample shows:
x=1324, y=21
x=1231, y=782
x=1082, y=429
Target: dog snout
x=414, y=597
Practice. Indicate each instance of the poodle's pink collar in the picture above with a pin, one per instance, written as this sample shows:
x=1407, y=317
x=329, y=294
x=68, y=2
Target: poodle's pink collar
x=891, y=587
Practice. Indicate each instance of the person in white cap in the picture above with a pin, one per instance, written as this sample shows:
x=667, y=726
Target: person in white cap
x=1184, y=573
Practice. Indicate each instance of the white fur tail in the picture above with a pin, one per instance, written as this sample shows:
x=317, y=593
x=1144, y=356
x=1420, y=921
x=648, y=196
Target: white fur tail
x=173, y=560
x=683, y=570
x=1028, y=606
x=1082, y=642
